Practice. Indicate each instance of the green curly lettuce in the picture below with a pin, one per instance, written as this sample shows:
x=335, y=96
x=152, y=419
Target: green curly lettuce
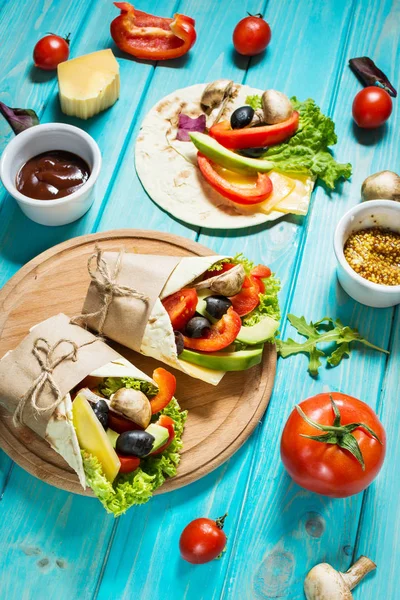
x=136, y=487
x=307, y=151
x=111, y=384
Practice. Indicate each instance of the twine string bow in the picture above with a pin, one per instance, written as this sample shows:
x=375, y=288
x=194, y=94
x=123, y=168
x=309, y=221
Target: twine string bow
x=107, y=286
x=45, y=354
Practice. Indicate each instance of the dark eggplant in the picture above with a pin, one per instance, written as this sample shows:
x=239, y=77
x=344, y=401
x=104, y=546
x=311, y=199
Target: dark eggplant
x=242, y=117
x=100, y=409
x=135, y=443
x=179, y=343
x=197, y=326
x=253, y=152
x=217, y=306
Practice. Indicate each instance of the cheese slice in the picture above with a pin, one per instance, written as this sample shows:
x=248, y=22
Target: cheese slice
x=88, y=84
x=298, y=201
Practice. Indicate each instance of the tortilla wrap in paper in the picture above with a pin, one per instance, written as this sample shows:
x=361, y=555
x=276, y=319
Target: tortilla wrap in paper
x=168, y=171
x=19, y=368
x=154, y=336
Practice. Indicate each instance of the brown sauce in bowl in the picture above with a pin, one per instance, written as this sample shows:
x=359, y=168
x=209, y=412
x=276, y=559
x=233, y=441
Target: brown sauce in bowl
x=51, y=175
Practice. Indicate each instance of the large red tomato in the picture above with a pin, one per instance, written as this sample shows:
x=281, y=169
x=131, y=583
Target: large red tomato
x=329, y=468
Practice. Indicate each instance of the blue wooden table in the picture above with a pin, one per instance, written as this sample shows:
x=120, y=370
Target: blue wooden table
x=57, y=545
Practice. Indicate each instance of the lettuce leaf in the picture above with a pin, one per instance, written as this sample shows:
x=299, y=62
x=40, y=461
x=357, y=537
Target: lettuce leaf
x=137, y=487
x=111, y=384
x=308, y=149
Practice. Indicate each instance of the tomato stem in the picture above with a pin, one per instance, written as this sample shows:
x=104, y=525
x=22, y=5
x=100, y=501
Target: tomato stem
x=259, y=15
x=221, y=521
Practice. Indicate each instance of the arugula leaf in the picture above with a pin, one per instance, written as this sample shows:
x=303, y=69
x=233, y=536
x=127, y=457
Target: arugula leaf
x=326, y=330
x=308, y=149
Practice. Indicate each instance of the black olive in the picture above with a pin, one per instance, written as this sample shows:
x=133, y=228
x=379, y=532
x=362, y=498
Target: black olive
x=135, y=443
x=242, y=117
x=253, y=152
x=197, y=326
x=179, y=343
x=100, y=409
x=217, y=306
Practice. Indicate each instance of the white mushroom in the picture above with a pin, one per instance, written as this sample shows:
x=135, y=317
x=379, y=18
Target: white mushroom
x=215, y=93
x=133, y=404
x=323, y=582
x=384, y=184
x=228, y=283
x=276, y=106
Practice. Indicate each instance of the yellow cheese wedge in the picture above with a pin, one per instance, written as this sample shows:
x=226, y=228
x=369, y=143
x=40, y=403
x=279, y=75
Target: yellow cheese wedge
x=92, y=437
x=298, y=201
x=282, y=187
x=88, y=84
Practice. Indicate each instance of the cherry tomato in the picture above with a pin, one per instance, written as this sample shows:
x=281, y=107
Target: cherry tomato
x=166, y=383
x=220, y=335
x=251, y=35
x=248, y=298
x=168, y=423
x=128, y=463
x=327, y=468
x=202, y=540
x=372, y=107
x=120, y=424
x=50, y=51
x=181, y=307
x=261, y=271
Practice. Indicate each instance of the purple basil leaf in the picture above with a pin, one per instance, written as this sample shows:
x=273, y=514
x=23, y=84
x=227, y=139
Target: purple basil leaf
x=19, y=119
x=369, y=74
x=186, y=124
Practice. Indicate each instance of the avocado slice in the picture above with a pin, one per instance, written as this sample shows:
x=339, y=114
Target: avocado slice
x=226, y=158
x=261, y=332
x=201, y=307
x=160, y=435
x=225, y=361
x=112, y=436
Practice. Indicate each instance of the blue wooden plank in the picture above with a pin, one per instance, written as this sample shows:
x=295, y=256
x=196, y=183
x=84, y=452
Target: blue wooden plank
x=286, y=530
x=227, y=485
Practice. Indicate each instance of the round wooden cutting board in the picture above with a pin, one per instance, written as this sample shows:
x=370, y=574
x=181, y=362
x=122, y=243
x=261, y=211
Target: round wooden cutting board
x=220, y=418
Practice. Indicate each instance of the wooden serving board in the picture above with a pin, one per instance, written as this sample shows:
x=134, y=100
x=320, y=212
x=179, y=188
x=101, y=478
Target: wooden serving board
x=220, y=418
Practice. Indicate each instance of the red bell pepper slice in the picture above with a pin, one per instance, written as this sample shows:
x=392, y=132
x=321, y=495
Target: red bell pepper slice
x=248, y=298
x=128, y=463
x=168, y=423
x=241, y=194
x=166, y=383
x=254, y=137
x=220, y=335
x=149, y=37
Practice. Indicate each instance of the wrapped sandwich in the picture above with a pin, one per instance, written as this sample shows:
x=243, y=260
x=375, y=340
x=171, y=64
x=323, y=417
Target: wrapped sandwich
x=203, y=315
x=117, y=428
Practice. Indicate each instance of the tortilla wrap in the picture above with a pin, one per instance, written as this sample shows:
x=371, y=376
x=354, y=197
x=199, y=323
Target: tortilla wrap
x=57, y=428
x=158, y=339
x=169, y=173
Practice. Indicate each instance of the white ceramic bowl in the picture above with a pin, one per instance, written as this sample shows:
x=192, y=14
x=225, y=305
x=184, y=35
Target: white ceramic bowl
x=42, y=138
x=374, y=213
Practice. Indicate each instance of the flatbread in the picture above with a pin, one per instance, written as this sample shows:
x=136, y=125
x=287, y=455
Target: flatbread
x=168, y=168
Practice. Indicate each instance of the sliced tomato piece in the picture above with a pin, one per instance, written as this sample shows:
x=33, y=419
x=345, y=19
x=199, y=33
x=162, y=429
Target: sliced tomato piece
x=254, y=189
x=168, y=423
x=220, y=335
x=166, y=383
x=254, y=137
x=120, y=424
x=181, y=307
x=261, y=271
x=248, y=298
x=128, y=463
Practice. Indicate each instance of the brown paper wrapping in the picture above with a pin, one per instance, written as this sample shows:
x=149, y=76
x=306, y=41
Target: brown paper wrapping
x=19, y=368
x=127, y=317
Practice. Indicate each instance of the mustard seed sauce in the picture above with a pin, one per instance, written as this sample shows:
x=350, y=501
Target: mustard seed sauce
x=375, y=255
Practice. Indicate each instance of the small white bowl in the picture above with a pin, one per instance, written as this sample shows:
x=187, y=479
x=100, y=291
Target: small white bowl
x=43, y=138
x=374, y=213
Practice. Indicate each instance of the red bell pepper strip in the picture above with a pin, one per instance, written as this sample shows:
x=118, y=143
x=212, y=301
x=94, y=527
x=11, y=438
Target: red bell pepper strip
x=149, y=37
x=248, y=298
x=254, y=137
x=241, y=194
x=168, y=423
x=166, y=383
x=220, y=335
x=128, y=463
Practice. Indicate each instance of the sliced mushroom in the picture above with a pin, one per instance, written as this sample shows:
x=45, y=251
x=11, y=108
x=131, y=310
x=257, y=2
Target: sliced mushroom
x=276, y=106
x=228, y=283
x=214, y=93
x=132, y=404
